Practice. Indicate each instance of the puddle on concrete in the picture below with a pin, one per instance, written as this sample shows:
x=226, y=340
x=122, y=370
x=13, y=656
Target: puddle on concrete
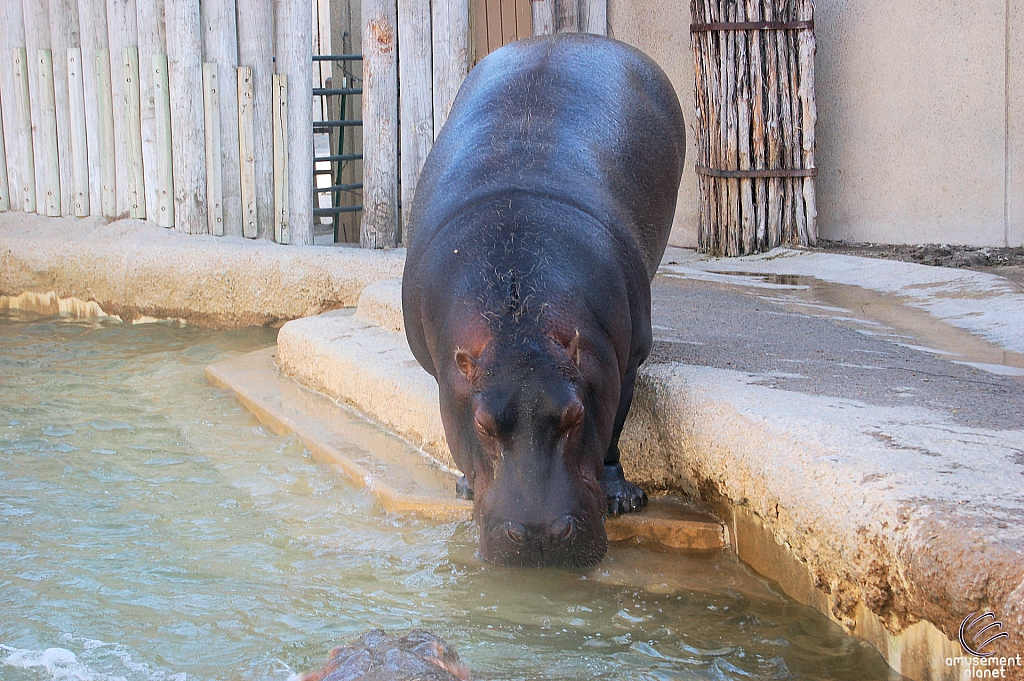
x=152, y=530
x=877, y=314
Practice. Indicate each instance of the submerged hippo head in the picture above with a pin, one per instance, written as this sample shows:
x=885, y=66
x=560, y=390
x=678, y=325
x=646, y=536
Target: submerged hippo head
x=529, y=447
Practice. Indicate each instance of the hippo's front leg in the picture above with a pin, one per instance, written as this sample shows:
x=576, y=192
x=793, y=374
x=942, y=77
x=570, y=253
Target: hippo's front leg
x=622, y=495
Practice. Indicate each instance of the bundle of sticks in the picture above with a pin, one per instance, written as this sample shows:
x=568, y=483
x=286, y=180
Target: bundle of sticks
x=754, y=63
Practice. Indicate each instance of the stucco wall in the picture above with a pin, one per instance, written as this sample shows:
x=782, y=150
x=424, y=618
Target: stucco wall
x=920, y=110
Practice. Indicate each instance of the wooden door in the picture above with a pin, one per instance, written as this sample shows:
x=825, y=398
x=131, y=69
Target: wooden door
x=498, y=22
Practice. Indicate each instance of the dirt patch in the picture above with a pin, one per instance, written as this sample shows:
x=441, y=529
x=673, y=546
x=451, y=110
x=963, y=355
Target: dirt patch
x=1006, y=262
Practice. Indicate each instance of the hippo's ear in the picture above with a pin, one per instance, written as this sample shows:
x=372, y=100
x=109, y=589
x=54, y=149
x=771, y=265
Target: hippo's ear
x=467, y=365
x=573, y=348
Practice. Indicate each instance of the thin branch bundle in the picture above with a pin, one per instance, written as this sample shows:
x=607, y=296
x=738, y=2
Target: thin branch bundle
x=754, y=63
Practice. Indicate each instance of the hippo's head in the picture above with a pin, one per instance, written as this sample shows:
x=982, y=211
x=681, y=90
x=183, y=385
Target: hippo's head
x=530, y=450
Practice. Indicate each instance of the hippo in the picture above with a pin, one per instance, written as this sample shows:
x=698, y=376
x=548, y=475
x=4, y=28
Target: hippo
x=539, y=220
x=376, y=656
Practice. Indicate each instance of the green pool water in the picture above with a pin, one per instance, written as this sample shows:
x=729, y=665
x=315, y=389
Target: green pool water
x=151, y=529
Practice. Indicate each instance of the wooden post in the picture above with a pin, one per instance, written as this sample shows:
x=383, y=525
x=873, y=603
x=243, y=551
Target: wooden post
x=185, y=66
x=79, y=134
x=122, y=32
x=247, y=153
x=379, y=227
x=256, y=52
x=5, y=191
x=417, y=114
x=594, y=16
x=543, y=16
x=17, y=130
x=136, y=173
x=152, y=43
x=26, y=146
x=282, y=231
x=221, y=44
x=450, y=27
x=63, y=37
x=107, y=142
x=567, y=19
x=92, y=20
x=164, y=164
x=48, y=163
x=214, y=171
x=809, y=116
x=44, y=108
x=294, y=48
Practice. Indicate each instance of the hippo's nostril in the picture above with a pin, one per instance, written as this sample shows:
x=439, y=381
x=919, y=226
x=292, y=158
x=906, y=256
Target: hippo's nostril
x=564, y=528
x=515, y=531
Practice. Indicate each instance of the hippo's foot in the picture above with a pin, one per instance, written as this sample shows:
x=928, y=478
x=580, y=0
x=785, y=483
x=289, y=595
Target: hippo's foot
x=462, y=489
x=622, y=495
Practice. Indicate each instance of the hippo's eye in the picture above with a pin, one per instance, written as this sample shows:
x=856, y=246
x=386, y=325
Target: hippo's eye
x=572, y=416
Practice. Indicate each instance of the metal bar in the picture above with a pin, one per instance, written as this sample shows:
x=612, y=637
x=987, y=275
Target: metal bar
x=339, y=157
x=336, y=209
x=339, y=188
x=752, y=26
x=336, y=124
x=781, y=172
x=337, y=57
x=328, y=91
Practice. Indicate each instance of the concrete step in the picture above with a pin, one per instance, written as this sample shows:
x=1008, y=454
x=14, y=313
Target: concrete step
x=402, y=476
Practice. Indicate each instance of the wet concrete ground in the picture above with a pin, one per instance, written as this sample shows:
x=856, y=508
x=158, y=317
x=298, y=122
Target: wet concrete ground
x=846, y=355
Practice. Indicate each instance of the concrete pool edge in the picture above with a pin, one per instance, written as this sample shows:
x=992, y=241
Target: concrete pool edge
x=132, y=269
x=679, y=411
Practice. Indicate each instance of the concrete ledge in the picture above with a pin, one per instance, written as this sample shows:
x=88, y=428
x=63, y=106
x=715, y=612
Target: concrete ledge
x=895, y=521
x=133, y=269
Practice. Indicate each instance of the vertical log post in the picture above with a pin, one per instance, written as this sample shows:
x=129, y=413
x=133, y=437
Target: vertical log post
x=294, y=43
x=164, y=155
x=122, y=32
x=79, y=133
x=247, y=153
x=450, y=27
x=279, y=102
x=256, y=52
x=594, y=16
x=379, y=227
x=5, y=191
x=188, y=144
x=221, y=44
x=132, y=102
x=48, y=162
x=567, y=16
x=808, y=116
x=92, y=20
x=64, y=37
x=152, y=44
x=214, y=169
x=26, y=145
x=108, y=134
x=543, y=16
x=21, y=173
x=417, y=114
x=43, y=107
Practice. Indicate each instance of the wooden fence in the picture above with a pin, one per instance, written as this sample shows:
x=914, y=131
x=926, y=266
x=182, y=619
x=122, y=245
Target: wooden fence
x=426, y=46
x=193, y=115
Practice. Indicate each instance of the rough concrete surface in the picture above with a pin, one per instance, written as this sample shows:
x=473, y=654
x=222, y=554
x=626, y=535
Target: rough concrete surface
x=887, y=478
x=134, y=269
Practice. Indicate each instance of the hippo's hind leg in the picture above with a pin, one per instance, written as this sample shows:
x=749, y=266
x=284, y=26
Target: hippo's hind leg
x=622, y=495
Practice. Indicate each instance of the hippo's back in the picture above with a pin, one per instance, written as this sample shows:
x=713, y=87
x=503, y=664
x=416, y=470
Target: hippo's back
x=575, y=118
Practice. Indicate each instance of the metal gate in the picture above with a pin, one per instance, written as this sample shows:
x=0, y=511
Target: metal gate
x=337, y=174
